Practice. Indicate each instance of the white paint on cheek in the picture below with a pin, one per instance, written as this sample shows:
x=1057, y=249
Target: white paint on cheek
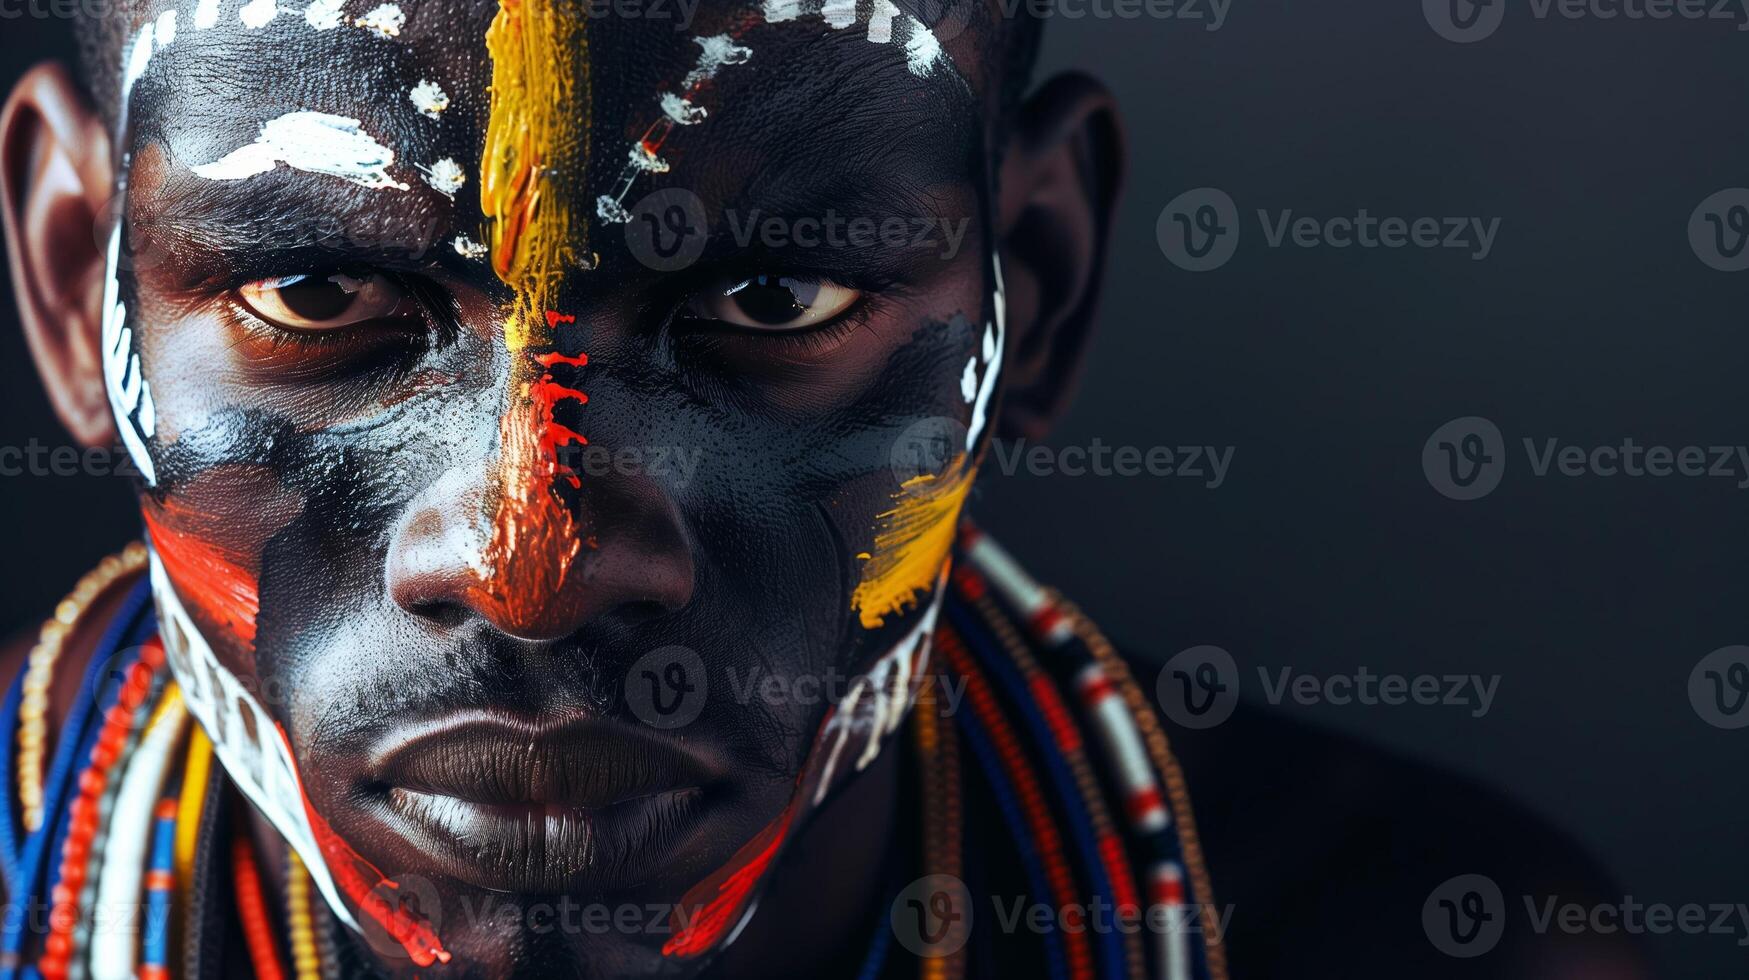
x=445, y=176
x=206, y=14
x=166, y=30
x=991, y=353
x=969, y=380
x=429, y=98
x=325, y=15
x=467, y=248
x=384, y=21
x=261, y=767
x=314, y=142
x=130, y=395
x=258, y=14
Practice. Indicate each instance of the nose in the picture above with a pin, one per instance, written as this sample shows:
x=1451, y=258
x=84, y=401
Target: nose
x=451, y=561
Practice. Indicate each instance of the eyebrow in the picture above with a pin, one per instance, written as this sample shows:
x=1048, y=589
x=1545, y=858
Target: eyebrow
x=284, y=213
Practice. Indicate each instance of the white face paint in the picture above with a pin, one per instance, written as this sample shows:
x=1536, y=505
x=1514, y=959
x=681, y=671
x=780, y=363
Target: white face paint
x=325, y=15
x=130, y=395
x=315, y=142
x=245, y=737
x=445, y=176
x=206, y=14
x=715, y=53
x=384, y=21
x=429, y=98
x=989, y=357
x=467, y=248
x=258, y=14
x=886, y=25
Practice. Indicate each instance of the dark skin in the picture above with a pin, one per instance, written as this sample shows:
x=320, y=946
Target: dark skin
x=342, y=468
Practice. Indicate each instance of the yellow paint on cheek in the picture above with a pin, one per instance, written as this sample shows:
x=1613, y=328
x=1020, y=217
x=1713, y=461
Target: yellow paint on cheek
x=911, y=544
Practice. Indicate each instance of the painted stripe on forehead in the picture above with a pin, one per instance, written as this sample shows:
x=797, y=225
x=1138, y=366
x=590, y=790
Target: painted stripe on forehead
x=536, y=152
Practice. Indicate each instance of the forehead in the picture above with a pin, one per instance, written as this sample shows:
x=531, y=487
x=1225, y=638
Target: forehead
x=826, y=92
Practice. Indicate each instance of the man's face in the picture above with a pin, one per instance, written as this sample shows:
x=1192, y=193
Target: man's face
x=505, y=502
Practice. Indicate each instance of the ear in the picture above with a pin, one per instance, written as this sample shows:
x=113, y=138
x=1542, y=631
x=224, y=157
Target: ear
x=1059, y=183
x=56, y=183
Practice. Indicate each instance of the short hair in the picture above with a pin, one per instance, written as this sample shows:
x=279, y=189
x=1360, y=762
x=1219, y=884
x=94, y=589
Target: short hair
x=101, y=38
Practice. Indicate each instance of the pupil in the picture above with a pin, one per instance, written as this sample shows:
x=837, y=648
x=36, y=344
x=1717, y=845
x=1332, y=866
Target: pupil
x=773, y=300
x=316, y=299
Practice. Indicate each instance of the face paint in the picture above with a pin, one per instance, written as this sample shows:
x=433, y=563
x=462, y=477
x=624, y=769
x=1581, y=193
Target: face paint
x=258, y=13
x=886, y=24
x=536, y=142
x=325, y=15
x=678, y=109
x=429, y=98
x=445, y=176
x=316, y=142
x=385, y=21
x=774, y=544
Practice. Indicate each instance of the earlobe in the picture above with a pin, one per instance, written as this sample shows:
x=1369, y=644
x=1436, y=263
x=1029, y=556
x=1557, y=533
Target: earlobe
x=1059, y=184
x=56, y=180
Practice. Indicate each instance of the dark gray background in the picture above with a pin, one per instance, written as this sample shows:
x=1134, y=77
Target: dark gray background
x=1326, y=370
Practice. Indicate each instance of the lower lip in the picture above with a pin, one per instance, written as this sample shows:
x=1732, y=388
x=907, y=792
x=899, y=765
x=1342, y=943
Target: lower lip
x=544, y=848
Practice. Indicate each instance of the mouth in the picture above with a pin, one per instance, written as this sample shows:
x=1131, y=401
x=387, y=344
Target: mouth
x=515, y=806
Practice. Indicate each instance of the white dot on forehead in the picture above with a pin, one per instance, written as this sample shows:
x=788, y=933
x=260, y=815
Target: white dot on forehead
x=384, y=21
x=429, y=98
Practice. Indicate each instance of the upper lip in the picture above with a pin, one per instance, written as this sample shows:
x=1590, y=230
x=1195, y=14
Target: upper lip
x=487, y=759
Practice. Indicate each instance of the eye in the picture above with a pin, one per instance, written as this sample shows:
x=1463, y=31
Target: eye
x=319, y=303
x=774, y=303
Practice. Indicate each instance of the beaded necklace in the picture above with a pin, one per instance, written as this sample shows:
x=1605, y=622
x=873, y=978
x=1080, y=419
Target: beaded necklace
x=1090, y=798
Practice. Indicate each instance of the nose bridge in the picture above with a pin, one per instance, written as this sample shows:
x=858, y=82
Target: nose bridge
x=536, y=151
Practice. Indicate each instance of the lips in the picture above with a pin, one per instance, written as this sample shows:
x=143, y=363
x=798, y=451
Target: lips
x=517, y=806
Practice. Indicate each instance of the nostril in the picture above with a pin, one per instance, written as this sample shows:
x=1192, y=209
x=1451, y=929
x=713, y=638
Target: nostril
x=447, y=615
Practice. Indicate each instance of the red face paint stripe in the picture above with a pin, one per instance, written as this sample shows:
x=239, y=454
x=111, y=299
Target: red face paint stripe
x=228, y=595
x=364, y=884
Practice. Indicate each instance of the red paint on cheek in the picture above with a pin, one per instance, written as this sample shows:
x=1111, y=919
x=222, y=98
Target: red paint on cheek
x=370, y=890
x=721, y=898
x=205, y=576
